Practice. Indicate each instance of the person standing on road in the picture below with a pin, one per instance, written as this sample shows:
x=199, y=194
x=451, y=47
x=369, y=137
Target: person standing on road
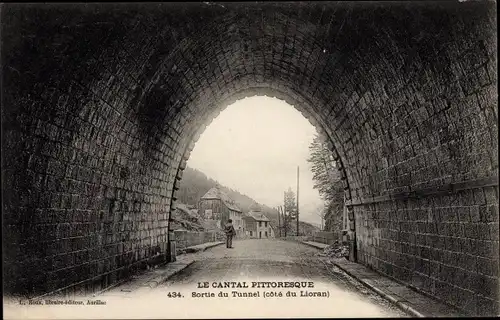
x=230, y=232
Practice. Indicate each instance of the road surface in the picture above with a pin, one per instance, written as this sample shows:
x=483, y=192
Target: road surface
x=262, y=264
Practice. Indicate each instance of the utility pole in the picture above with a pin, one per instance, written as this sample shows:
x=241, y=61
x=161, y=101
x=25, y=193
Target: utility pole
x=297, y=200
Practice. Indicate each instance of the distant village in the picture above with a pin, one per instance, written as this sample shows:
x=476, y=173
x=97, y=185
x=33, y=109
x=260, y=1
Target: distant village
x=214, y=209
x=203, y=204
x=217, y=207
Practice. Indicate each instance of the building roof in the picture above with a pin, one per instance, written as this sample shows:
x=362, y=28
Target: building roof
x=257, y=215
x=217, y=193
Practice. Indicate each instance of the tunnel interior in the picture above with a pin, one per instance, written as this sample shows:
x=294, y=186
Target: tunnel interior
x=103, y=103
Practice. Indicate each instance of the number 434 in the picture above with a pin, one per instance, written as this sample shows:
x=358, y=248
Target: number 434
x=174, y=295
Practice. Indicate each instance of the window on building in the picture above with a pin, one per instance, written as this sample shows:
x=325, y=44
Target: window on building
x=265, y=224
x=209, y=214
x=260, y=223
x=266, y=233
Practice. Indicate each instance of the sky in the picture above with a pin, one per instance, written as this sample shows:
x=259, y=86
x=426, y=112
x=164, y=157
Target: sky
x=254, y=146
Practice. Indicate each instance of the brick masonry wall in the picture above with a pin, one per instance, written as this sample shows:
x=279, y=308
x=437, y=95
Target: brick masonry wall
x=444, y=245
x=86, y=197
x=184, y=238
x=102, y=104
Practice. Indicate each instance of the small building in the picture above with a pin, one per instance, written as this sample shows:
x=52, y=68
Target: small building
x=257, y=224
x=217, y=206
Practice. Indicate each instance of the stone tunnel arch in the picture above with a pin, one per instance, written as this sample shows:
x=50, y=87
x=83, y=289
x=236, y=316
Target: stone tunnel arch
x=301, y=105
x=99, y=101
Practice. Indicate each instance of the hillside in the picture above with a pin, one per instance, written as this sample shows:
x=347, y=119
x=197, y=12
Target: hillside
x=195, y=184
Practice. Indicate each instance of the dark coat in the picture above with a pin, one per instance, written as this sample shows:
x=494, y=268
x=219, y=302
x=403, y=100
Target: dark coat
x=229, y=229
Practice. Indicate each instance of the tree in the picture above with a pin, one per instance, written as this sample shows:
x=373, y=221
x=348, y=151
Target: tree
x=321, y=211
x=281, y=221
x=290, y=205
x=289, y=210
x=334, y=213
x=327, y=181
x=323, y=168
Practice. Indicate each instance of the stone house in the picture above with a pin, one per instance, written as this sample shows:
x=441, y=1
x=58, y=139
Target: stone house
x=257, y=224
x=217, y=206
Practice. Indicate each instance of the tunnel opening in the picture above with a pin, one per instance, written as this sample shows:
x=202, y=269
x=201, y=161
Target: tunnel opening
x=258, y=125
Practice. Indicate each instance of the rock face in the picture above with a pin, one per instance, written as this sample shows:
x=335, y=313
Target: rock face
x=336, y=250
x=187, y=219
x=102, y=104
